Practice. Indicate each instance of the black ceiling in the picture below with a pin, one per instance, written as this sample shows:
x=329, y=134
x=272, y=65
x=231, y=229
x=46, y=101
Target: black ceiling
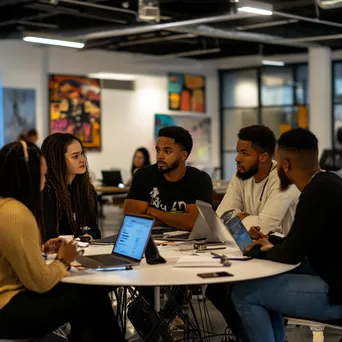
x=74, y=18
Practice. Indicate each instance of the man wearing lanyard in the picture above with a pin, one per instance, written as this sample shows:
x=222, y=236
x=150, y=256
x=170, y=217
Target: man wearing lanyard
x=315, y=236
x=254, y=191
x=254, y=195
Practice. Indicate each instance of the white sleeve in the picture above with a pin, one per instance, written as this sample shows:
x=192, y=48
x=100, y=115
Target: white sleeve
x=272, y=214
x=232, y=200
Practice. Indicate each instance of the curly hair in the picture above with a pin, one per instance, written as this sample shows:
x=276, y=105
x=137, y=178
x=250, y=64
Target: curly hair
x=261, y=137
x=81, y=194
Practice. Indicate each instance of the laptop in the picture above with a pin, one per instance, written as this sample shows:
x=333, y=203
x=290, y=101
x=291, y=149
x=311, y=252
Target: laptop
x=108, y=240
x=239, y=233
x=232, y=231
x=130, y=245
x=112, y=178
x=218, y=230
x=200, y=231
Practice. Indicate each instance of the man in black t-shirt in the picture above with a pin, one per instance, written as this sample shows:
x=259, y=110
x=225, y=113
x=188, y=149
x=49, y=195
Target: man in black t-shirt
x=168, y=192
x=169, y=189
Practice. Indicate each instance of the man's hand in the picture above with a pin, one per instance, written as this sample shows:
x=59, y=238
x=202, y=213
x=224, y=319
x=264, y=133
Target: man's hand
x=242, y=215
x=266, y=245
x=255, y=233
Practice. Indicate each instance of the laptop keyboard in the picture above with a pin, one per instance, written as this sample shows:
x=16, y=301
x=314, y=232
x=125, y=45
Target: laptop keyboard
x=108, y=260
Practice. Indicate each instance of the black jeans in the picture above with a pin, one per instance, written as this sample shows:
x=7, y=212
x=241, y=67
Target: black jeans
x=87, y=308
x=220, y=296
x=177, y=299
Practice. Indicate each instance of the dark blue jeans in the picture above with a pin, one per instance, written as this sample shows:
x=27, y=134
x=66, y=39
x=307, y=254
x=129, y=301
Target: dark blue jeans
x=263, y=303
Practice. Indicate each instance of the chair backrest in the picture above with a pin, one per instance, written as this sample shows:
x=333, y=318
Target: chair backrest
x=303, y=322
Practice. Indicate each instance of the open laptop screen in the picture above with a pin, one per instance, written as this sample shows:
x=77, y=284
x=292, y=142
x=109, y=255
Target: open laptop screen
x=240, y=233
x=133, y=236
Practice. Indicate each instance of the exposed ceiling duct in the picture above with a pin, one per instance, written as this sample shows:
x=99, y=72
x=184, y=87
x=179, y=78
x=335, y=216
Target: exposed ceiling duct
x=156, y=27
x=328, y=4
x=207, y=31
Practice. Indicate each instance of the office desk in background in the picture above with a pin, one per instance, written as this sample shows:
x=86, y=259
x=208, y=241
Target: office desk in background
x=119, y=195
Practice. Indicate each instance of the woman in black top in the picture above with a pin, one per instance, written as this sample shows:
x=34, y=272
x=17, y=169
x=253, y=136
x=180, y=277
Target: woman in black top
x=69, y=199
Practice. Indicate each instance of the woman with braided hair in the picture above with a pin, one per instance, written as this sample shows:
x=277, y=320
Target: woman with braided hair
x=69, y=199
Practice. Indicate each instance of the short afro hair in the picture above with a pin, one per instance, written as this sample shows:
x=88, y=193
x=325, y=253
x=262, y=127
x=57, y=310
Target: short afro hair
x=261, y=137
x=181, y=136
x=298, y=140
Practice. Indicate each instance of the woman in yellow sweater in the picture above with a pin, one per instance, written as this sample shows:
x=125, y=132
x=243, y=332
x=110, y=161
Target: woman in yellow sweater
x=32, y=301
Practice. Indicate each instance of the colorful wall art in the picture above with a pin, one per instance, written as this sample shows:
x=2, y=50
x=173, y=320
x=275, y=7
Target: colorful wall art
x=200, y=130
x=75, y=107
x=186, y=92
x=19, y=112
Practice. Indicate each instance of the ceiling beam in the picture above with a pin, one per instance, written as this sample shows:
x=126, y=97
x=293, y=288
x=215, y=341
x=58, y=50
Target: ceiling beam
x=267, y=24
x=157, y=27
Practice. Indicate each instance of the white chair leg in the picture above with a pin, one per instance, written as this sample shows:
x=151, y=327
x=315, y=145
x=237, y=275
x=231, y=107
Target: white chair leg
x=317, y=333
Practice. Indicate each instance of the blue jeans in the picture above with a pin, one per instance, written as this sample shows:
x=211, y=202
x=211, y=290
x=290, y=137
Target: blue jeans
x=262, y=303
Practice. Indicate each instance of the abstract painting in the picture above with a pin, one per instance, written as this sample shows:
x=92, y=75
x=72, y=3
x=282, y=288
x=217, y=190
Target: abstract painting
x=75, y=107
x=198, y=127
x=186, y=92
x=19, y=112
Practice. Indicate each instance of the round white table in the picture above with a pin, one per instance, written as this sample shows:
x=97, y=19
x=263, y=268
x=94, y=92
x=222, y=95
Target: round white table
x=167, y=274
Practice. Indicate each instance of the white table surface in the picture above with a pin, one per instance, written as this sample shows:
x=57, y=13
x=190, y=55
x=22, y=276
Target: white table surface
x=167, y=274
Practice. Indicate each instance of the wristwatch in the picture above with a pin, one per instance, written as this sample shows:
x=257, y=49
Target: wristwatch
x=65, y=262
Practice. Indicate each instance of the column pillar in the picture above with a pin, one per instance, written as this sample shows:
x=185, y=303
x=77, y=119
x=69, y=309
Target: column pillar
x=320, y=115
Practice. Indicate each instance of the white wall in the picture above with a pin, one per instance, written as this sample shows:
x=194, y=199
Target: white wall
x=127, y=116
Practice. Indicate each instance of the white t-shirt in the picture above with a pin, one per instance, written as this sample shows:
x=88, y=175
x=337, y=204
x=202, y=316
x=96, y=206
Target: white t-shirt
x=267, y=206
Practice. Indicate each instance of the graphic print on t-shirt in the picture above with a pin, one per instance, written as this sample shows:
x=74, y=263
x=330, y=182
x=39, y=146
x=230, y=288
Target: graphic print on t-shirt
x=177, y=206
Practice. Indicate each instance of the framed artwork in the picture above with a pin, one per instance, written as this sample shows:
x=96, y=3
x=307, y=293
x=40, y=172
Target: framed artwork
x=75, y=107
x=186, y=93
x=198, y=127
x=19, y=112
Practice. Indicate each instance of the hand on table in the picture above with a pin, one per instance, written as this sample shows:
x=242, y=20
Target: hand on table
x=67, y=251
x=90, y=237
x=255, y=233
x=266, y=245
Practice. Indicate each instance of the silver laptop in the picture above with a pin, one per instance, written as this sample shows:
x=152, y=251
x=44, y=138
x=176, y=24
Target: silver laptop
x=129, y=248
x=218, y=230
x=200, y=231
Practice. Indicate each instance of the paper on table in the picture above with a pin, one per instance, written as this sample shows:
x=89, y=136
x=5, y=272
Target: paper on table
x=206, y=259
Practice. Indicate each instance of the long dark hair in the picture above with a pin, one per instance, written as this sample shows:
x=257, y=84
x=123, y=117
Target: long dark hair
x=81, y=194
x=20, y=175
x=146, y=155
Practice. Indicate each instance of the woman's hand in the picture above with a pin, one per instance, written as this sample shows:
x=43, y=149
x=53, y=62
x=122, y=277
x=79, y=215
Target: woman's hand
x=51, y=246
x=67, y=251
x=90, y=237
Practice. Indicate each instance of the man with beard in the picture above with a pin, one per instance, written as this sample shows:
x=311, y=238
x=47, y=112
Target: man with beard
x=315, y=234
x=169, y=189
x=168, y=192
x=254, y=195
x=253, y=192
